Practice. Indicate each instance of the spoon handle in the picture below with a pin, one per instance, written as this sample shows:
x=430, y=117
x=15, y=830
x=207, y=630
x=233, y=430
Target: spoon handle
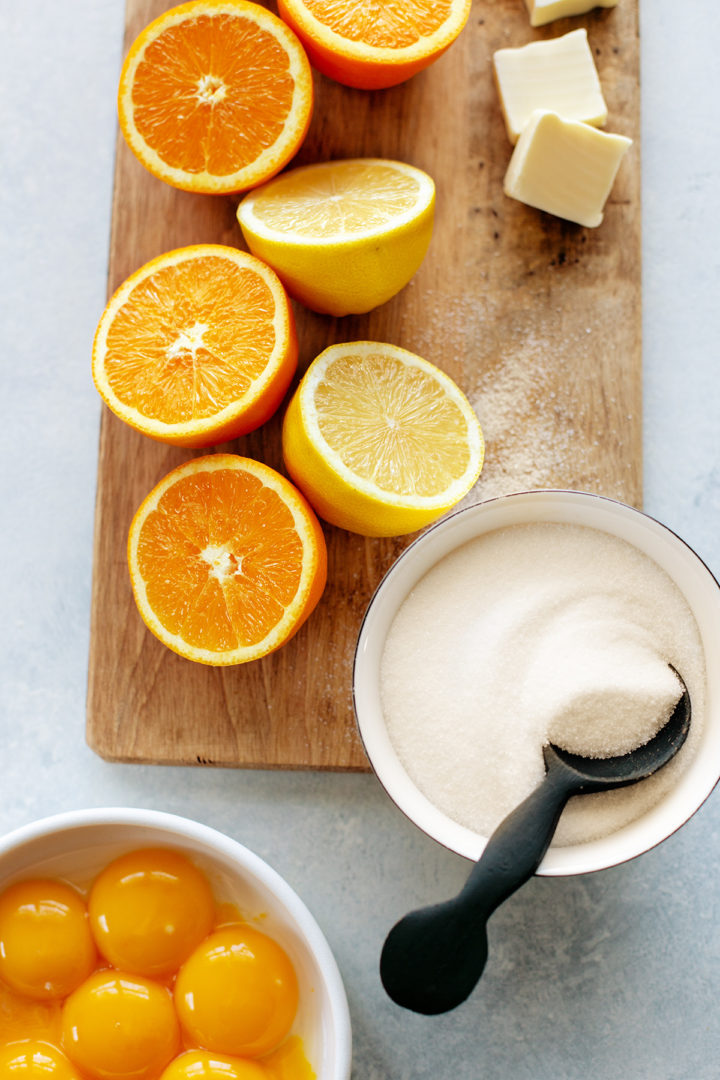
x=433, y=957
x=516, y=848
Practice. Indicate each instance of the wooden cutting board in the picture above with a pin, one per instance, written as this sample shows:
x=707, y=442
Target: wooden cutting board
x=538, y=320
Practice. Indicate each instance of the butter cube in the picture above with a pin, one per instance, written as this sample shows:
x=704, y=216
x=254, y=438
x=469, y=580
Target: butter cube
x=559, y=75
x=564, y=167
x=545, y=11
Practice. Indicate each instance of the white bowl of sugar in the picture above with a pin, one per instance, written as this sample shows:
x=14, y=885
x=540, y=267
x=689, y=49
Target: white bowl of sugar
x=502, y=625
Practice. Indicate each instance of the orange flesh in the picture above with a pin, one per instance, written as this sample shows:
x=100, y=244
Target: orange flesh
x=221, y=559
x=211, y=93
x=194, y=338
x=390, y=24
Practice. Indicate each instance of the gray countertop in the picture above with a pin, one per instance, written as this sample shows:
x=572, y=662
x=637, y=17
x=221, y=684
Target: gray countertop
x=615, y=974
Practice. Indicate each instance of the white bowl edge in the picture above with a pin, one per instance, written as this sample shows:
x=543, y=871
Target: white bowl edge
x=656, y=540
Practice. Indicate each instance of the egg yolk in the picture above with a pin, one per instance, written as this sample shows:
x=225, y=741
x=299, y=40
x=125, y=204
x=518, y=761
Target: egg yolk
x=120, y=1027
x=34, y=1060
x=237, y=993
x=206, y=1065
x=148, y=911
x=46, y=947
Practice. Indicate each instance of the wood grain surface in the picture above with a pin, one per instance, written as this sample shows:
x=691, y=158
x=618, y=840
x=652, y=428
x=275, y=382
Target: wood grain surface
x=538, y=320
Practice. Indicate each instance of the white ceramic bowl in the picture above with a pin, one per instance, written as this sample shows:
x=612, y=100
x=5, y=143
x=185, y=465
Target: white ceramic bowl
x=78, y=844
x=687, y=570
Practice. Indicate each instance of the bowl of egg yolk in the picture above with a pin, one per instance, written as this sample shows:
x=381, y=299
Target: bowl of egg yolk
x=137, y=945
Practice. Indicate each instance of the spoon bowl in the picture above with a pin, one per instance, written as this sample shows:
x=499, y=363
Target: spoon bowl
x=600, y=773
x=433, y=957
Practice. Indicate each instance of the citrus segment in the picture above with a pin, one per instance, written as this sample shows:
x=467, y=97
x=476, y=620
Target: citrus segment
x=374, y=45
x=226, y=559
x=215, y=95
x=197, y=346
x=379, y=440
x=343, y=236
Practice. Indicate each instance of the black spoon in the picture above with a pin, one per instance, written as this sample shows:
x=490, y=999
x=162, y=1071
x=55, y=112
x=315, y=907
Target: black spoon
x=433, y=957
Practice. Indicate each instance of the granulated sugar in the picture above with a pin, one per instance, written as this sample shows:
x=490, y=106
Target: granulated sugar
x=530, y=634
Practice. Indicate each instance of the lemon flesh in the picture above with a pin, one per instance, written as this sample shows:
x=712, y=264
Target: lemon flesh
x=380, y=441
x=343, y=236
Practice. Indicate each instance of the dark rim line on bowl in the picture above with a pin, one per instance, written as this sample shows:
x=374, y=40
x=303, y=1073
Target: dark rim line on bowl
x=443, y=521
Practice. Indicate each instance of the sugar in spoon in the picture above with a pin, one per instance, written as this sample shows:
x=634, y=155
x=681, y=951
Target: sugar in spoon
x=433, y=957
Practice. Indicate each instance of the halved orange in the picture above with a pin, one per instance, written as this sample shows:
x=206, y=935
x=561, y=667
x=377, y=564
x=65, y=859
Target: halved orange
x=374, y=45
x=196, y=347
x=227, y=560
x=215, y=95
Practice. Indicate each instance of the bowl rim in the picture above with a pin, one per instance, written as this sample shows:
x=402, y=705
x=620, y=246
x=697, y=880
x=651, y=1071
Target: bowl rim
x=180, y=827
x=568, y=859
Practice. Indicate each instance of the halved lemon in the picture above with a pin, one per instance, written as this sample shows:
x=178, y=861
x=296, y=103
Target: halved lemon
x=380, y=441
x=342, y=236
